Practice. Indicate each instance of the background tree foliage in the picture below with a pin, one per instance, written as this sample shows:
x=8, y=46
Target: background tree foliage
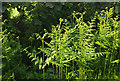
x=22, y=20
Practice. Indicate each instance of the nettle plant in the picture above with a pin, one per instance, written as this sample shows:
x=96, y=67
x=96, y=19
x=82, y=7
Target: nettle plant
x=74, y=49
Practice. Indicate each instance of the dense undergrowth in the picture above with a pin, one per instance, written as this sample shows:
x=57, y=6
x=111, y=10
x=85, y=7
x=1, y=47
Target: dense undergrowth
x=81, y=51
x=74, y=48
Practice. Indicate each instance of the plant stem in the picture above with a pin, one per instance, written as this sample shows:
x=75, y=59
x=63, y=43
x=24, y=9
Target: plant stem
x=53, y=71
x=43, y=60
x=59, y=72
x=66, y=72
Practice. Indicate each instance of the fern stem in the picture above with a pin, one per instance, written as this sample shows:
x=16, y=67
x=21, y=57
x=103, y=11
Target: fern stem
x=73, y=65
x=66, y=72
x=59, y=72
x=43, y=60
x=80, y=73
x=56, y=32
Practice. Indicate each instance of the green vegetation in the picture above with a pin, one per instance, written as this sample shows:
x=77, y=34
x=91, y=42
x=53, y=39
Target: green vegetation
x=61, y=41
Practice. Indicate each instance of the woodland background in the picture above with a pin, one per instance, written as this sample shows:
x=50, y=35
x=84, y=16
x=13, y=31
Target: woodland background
x=21, y=20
